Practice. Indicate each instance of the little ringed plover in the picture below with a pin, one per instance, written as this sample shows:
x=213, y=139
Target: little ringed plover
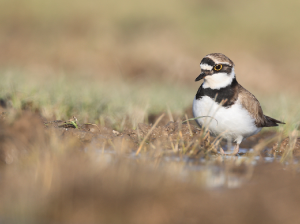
x=225, y=107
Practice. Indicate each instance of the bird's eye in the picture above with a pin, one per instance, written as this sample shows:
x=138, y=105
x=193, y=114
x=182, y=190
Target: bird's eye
x=218, y=67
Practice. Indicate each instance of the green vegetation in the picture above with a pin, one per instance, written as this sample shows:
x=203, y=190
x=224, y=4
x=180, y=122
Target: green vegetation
x=95, y=101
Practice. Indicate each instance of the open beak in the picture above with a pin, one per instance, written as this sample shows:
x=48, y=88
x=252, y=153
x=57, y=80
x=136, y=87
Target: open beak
x=201, y=76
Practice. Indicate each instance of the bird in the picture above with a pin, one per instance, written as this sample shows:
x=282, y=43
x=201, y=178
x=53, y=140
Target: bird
x=223, y=106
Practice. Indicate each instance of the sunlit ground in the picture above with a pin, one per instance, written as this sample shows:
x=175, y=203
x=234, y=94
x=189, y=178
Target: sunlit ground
x=93, y=96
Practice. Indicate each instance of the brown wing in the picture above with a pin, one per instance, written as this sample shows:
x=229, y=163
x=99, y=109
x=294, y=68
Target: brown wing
x=250, y=103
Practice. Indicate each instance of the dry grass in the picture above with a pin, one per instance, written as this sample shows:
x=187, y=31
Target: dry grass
x=55, y=177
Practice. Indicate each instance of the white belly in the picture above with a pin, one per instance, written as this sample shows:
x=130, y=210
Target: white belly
x=233, y=123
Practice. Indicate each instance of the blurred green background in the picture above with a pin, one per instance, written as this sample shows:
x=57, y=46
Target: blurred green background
x=117, y=57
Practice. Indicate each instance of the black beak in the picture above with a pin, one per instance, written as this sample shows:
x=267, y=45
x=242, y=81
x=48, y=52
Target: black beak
x=201, y=76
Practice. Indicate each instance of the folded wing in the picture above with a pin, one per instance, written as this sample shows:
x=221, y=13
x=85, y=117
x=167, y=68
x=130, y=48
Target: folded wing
x=250, y=103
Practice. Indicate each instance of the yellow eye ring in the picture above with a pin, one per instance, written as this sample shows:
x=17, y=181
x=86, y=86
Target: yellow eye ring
x=218, y=67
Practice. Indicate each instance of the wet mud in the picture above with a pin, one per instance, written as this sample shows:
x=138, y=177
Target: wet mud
x=86, y=173
x=171, y=137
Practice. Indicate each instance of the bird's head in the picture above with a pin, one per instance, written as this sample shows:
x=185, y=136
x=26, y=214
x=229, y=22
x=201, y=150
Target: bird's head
x=217, y=70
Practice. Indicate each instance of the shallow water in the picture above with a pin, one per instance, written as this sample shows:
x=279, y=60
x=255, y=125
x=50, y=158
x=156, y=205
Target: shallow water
x=213, y=172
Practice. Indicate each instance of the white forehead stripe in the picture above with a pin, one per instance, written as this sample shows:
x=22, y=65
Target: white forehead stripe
x=206, y=67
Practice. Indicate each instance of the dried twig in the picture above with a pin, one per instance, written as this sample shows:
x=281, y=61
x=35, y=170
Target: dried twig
x=148, y=134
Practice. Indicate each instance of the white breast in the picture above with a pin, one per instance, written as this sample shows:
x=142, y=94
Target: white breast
x=233, y=123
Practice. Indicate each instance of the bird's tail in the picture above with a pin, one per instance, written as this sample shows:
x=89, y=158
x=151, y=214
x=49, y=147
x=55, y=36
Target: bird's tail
x=271, y=122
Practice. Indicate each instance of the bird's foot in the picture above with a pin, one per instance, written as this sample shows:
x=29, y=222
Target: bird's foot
x=222, y=151
x=236, y=149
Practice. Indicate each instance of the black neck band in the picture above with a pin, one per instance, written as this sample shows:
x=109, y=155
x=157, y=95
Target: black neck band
x=228, y=93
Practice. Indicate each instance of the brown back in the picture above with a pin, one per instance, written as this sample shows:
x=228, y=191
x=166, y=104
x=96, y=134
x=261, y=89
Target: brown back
x=250, y=103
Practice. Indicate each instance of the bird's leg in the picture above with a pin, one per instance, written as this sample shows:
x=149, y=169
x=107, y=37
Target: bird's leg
x=222, y=151
x=236, y=149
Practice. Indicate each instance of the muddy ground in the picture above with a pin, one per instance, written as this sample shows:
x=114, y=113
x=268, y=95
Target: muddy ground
x=51, y=172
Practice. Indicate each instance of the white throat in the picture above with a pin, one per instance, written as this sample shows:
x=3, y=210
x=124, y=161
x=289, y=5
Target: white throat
x=218, y=80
